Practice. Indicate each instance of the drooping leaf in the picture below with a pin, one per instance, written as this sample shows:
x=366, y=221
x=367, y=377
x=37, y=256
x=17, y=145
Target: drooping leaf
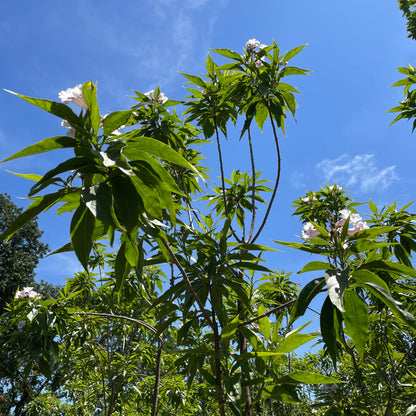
x=305, y=297
x=356, y=320
x=328, y=329
x=82, y=228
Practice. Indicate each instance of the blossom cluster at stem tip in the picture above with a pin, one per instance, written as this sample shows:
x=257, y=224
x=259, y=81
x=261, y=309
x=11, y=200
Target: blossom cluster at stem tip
x=160, y=99
x=74, y=95
x=254, y=46
x=27, y=293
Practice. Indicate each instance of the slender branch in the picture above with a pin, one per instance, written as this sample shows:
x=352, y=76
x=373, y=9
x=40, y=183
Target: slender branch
x=284, y=305
x=188, y=283
x=276, y=184
x=224, y=199
x=159, y=348
x=253, y=191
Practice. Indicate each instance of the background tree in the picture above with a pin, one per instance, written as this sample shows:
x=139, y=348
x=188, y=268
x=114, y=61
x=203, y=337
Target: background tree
x=20, y=256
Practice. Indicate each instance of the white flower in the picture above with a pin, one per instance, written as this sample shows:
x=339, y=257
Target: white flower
x=162, y=98
x=21, y=325
x=71, y=130
x=151, y=95
x=27, y=293
x=309, y=231
x=356, y=221
x=259, y=62
x=308, y=200
x=262, y=46
x=74, y=95
x=358, y=226
x=252, y=44
x=335, y=187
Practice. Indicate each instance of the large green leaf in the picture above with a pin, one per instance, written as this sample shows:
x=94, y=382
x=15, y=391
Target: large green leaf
x=292, y=53
x=41, y=203
x=52, y=143
x=363, y=276
x=82, y=228
x=356, y=320
x=293, y=341
x=159, y=149
x=389, y=266
x=337, y=282
x=394, y=305
x=99, y=200
x=305, y=297
x=89, y=92
x=121, y=268
x=315, y=265
x=328, y=329
x=57, y=109
x=115, y=120
x=229, y=54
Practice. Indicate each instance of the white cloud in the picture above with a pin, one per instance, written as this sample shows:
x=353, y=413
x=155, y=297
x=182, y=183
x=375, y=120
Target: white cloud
x=359, y=171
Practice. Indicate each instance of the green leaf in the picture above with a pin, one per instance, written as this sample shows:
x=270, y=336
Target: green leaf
x=328, y=329
x=305, y=297
x=366, y=276
x=337, y=282
x=99, y=200
x=121, y=268
x=52, y=143
x=356, y=320
x=389, y=266
x=262, y=113
x=292, y=341
x=394, y=305
x=263, y=323
x=58, y=109
x=131, y=251
x=89, y=92
x=228, y=54
x=159, y=149
x=315, y=265
x=251, y=266
x=210, y=67
x=292, y=53
x=32, y=177
x=307, y=377
x=82, y=228
x=196, y=80
x=127, y=203
x=41, y=203
x=115, y=120
x=230, y=329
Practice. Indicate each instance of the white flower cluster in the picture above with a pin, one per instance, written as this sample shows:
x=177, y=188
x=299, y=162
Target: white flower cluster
x=254, y=46
x=151, y=95
x=74, y=95
x=356, y=224
x=27, y=293
x=71, y=130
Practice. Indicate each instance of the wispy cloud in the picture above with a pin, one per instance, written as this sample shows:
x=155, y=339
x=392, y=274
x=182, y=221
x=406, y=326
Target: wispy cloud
x=359, y=171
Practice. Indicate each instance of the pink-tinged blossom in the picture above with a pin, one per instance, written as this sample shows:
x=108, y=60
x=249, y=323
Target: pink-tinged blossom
x=252, y=44
x=309, y=231
x=21, y=325
x=27, y=293
x=356, y=221
x=161, y=98
x=74, y=95
x=358, y=226
x=71, y=130
x=260, y=62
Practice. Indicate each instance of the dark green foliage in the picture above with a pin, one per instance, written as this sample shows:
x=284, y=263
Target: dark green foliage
x=20, y=255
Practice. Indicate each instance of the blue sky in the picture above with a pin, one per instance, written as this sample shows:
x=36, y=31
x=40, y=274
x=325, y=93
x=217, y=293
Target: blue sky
x=341, y=134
